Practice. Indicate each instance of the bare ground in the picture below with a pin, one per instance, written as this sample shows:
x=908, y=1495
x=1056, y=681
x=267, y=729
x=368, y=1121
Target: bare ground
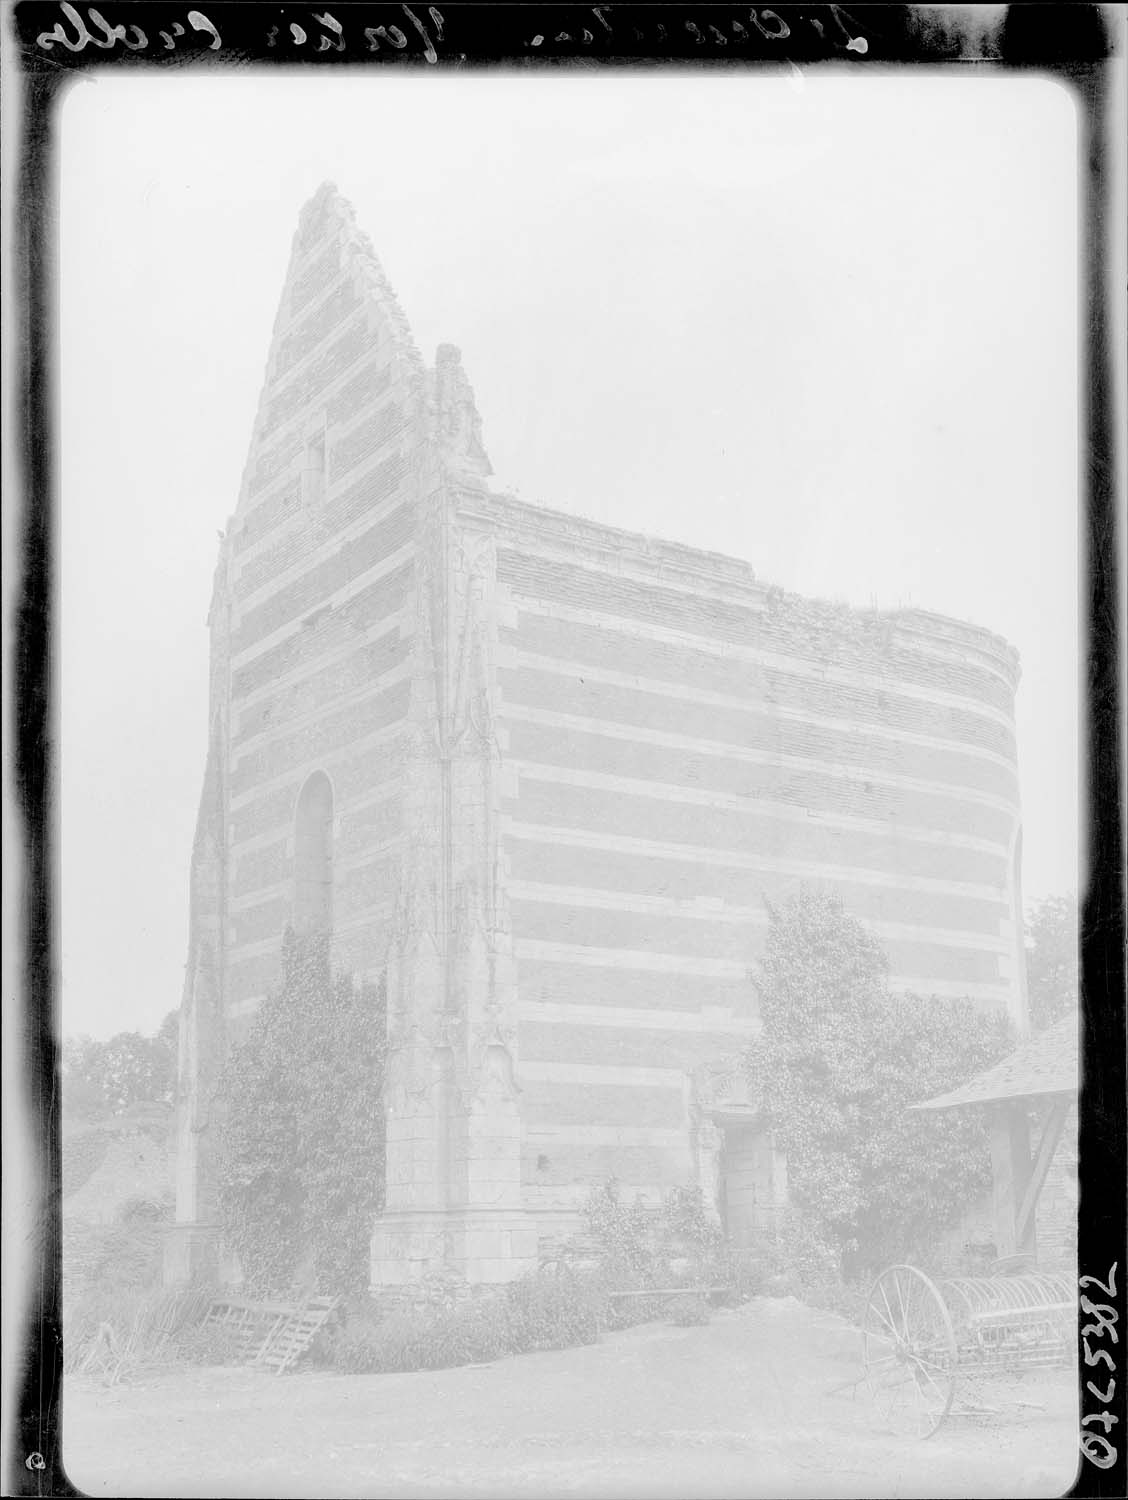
x=742, y=1407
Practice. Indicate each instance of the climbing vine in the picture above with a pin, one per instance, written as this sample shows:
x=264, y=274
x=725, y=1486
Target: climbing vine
x=301, y=1129
x=838, y=1063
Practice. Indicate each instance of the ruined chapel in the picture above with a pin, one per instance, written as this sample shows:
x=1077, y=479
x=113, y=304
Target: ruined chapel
x=541, y=774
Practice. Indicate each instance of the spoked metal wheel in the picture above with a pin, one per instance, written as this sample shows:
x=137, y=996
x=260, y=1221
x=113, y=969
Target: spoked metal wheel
x=910, y=1352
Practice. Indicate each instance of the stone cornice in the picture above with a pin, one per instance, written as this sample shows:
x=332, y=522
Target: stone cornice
x=714, y=573
x=612, y=547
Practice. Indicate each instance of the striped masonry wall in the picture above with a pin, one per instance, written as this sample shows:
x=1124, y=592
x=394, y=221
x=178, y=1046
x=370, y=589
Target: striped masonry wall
x=322, y=589
x=681, y=746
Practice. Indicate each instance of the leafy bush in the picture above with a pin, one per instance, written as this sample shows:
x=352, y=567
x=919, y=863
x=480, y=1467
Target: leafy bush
x=689, y=1310
x=533, y=1313
x=123, y=1257
x=1052, y=960
x=207, y=1344
x=635, y=1246
x=622, y=1233
x=301, y=1129
x=441, y=1290
x=795, y=1259
x=629, y=1246
x=838, y=1063
x=545, y=1312
x=629, y=1312
x=690, y=1240
x=432, y=1340
x=741, y=1274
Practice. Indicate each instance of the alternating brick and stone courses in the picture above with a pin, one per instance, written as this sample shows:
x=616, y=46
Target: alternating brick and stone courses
x=561, y=772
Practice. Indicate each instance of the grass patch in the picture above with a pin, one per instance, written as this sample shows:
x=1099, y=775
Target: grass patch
x=115, y=1333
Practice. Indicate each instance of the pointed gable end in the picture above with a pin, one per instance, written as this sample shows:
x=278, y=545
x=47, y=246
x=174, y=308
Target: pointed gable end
x=343, y=402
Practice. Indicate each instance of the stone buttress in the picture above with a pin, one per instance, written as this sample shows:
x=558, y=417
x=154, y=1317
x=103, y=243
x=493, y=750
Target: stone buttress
x=352, y=635
x=454, y=1196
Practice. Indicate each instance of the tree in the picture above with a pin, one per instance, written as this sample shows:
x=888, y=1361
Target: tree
x=83, y=1077
x=301, y=1128
x=168, y=1033
x=1051, y=960
x=838, y=1063
x=108, y=1077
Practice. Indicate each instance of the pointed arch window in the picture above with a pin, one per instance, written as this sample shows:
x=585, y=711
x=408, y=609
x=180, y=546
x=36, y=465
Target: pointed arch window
x=313, y=856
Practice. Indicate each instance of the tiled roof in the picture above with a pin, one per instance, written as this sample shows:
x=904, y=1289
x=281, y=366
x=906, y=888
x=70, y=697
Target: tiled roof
x=1045, y=1064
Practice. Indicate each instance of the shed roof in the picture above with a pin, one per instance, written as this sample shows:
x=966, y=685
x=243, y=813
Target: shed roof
x=1045, y=1064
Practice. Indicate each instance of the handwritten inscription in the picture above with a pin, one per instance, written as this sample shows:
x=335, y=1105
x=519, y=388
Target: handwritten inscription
x=601, y=26
x=322, y=32
x=331, y=37
x=94, y=30
x=1096, y=1446
x=841, y=34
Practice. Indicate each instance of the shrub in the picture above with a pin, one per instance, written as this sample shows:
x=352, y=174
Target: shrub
x=548, y=1312
x=746, y=1272
x=689, y=1310
x=1052, y=959
x=631, y=1247
x=419, y=1339
x=207, y=1344
x=631, y=1311
x=441, y=1290
x=796, y=1260
x=534, y=1313
x=623, y=1234
x=448, y=1326
x=115, y=1331
x=130, y=1256
x=301, y=1128
x=838, y=1063
x=675, y=1243
x=689, y=1239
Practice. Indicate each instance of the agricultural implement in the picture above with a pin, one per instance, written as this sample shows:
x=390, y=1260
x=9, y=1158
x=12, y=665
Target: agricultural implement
x=951, y=1345
x=937, y=1347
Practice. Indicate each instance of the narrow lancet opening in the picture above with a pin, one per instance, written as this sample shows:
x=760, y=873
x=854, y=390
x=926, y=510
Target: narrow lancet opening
x=313, y=857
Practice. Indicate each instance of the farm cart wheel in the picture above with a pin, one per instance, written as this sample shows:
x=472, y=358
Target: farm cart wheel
x=910, y=1351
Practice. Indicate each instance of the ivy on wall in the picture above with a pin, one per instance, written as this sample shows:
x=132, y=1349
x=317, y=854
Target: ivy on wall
x=301, y=1129
x=838, y=1063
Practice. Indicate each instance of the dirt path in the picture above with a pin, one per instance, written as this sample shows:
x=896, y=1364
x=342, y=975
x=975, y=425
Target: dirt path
x=739, y=1408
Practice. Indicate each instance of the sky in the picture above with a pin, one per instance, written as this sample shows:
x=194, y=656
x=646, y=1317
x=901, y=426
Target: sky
x=823, y=322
